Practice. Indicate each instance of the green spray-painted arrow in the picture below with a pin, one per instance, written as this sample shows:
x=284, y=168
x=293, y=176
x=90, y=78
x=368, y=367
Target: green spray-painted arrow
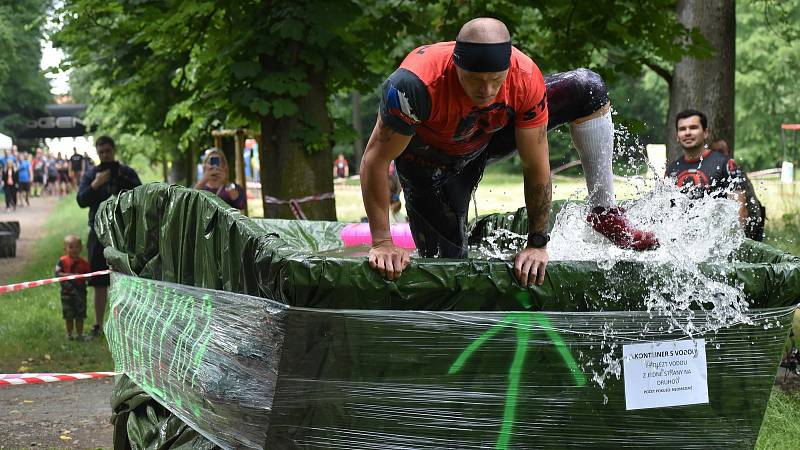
x=521, y=321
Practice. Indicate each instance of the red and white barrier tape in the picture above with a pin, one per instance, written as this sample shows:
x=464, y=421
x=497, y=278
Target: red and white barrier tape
x=308, y=198
x=294, y=203
x=36, y=378
x=30, y=284
x=297, y=210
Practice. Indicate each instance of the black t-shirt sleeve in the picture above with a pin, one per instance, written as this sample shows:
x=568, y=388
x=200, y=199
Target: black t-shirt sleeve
x=129, y=179
x=405, y=102
x=88, y=197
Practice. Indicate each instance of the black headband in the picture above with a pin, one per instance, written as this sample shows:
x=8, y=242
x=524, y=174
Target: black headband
x=475, y=57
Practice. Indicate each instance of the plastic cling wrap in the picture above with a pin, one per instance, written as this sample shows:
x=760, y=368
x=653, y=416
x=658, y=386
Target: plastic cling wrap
x=210, y=357
x=249, y=372
x=323, y=353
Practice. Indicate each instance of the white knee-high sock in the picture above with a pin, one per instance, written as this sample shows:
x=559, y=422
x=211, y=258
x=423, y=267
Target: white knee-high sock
x=594, y=140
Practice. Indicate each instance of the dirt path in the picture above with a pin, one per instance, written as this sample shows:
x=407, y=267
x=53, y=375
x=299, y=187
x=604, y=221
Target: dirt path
x=31, y=220
x=66, y=414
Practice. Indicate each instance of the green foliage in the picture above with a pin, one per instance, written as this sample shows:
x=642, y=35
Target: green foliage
x=767, y=58
x=174, y=69
x=559, y=36
x=564, y=35
x=129, y=93
x=24, y=89
x=642, y=104
x=341, y=111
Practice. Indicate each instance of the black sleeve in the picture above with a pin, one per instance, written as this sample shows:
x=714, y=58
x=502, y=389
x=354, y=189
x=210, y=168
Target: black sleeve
x=88, y=197
x=128, y=179
x=405, y=102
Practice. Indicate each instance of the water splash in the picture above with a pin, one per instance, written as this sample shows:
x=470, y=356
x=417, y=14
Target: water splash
x=692, y=233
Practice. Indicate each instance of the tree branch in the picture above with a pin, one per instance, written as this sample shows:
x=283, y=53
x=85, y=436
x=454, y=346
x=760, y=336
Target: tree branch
x=660, y=71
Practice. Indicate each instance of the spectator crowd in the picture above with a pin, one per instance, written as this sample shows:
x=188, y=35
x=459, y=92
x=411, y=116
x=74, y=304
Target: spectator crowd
x=39, y=173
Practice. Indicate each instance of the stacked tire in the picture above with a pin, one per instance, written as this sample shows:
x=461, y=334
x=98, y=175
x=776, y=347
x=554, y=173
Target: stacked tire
x=9, y=233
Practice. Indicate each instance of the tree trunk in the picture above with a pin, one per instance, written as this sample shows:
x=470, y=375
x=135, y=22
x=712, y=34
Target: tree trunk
x=192, y=157
x=228, y=147
x=289, y=170
x=358, y=144
x=706, y=85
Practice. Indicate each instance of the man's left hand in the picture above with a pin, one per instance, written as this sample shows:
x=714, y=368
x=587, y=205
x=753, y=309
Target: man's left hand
x=529, y=266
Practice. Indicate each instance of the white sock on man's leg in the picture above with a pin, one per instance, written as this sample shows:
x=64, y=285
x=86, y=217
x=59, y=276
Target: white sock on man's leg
x=594, y=140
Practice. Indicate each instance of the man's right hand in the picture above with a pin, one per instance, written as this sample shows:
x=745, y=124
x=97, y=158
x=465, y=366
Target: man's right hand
x=388, y=259
x=100, y=179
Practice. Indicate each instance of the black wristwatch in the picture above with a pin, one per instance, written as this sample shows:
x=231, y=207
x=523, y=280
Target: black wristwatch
x=538, y=240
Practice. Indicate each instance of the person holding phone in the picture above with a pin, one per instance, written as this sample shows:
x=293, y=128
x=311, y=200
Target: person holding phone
x=98, y=184
x=215, y=179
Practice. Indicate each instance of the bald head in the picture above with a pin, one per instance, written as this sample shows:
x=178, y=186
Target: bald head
x=484, y=30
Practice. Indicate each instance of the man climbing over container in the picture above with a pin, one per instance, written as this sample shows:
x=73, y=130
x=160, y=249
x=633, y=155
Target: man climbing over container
x=453, y=107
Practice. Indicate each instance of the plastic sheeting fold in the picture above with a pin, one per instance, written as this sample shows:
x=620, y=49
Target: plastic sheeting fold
x=323, y=353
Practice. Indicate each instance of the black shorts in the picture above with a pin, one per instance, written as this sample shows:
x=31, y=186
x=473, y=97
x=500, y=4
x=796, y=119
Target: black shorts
x=38, y=176
x=437, y=189
x=97, y=260
x=24, y=186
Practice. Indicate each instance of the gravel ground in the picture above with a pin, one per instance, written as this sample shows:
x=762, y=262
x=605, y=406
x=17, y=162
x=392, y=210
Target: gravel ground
x=64, y=414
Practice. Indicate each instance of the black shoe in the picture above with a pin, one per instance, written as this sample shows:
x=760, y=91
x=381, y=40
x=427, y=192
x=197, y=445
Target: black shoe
x=95, y=331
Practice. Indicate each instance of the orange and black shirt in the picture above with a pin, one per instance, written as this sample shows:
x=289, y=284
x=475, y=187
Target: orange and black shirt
x=424, y=97
x=67, y=265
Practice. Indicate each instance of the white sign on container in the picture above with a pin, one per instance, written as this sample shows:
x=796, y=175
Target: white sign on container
x=662, y=374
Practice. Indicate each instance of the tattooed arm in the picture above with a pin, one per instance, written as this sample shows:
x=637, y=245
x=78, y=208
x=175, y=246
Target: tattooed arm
x=384, y=145
x=530, y=263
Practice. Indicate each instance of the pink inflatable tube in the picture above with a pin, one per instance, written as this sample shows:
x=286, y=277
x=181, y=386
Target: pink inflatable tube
x=358, y=234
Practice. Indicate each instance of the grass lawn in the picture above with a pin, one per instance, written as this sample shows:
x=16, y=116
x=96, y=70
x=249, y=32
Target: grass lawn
x=781, y=427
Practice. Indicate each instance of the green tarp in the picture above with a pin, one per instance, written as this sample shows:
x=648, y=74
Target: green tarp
x=456, y=354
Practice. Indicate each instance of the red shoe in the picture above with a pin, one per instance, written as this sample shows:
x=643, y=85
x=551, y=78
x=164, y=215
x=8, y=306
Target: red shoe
x=612, y=223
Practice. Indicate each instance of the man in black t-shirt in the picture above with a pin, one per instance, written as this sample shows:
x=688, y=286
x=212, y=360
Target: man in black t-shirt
x=701, y=171
x=98, y=184
x=76, y=167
